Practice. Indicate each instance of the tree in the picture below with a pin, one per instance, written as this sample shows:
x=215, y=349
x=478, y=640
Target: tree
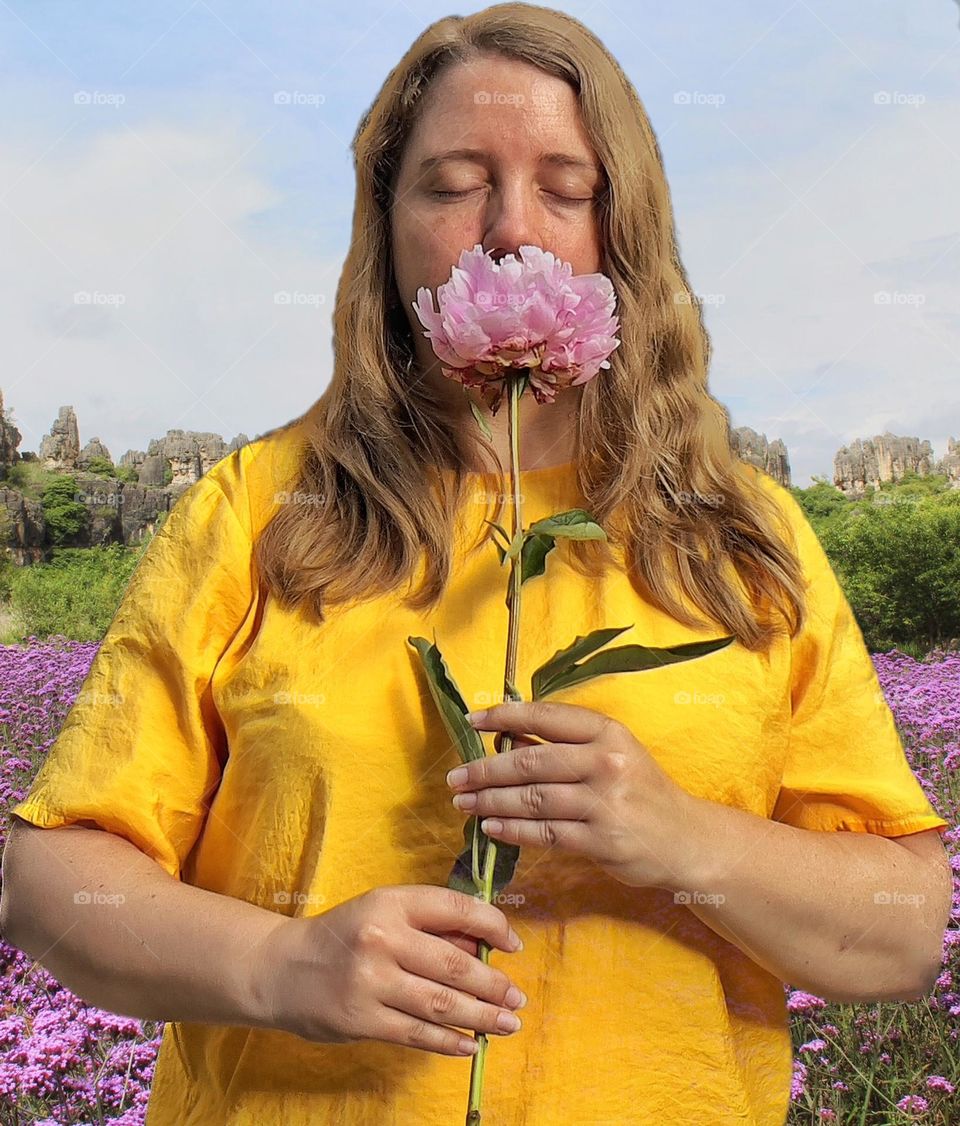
x=64, y=515
x=899, y=564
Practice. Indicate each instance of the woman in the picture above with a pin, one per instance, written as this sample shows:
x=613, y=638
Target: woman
x=257, y=740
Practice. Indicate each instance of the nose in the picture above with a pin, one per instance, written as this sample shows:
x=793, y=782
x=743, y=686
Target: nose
x=509, y=225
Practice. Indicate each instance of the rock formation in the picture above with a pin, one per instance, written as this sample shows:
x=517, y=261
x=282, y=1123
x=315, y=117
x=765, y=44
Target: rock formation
x=60, y=448
x=754, y=448
x=188, y=453
x=949, y=464
x=885, y=457
x=9, y=442
x=21, y=521
x=117, y=511
x=93, y=448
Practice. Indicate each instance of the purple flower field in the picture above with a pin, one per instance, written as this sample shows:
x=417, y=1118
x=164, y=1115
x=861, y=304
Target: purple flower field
x=63, y=1061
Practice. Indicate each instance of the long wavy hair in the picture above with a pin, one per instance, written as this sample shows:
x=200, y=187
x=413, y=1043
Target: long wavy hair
x=654, y=458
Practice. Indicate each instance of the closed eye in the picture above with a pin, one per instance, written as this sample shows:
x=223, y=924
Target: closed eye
x=562, y=198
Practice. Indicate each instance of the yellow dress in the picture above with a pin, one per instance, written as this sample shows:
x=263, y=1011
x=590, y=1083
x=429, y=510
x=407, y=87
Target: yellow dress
x=295, y=766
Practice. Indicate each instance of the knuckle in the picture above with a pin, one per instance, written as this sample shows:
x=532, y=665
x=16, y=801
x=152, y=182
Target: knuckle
x=548, y=833
x=441, y=1001
x=370, y=936
x=615, y=762
x=419, y=1033
x=531, y=798
x=540, y=712
x=453, y=963
x=527, y=759
x=461, y=907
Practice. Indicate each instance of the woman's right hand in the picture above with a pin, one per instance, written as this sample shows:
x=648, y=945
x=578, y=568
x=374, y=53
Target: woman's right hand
x=396, y=964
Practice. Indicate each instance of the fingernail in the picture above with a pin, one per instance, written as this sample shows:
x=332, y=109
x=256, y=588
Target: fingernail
x=515, y=998
x=515, y=939
x=457, y=776
x=507, y=1022
x=476, y=717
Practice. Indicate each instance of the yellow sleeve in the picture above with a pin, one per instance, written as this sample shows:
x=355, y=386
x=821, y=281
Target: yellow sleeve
x=142, y=748
x=845, y=767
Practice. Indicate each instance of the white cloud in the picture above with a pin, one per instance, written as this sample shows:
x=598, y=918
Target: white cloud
x=159, y=227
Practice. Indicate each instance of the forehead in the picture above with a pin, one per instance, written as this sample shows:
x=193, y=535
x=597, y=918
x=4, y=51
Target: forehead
x=493, y=106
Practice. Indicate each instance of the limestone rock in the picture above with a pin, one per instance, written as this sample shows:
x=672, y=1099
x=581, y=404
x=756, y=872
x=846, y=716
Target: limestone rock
x=9, y=442
x=189, y=454
x=93, y=448
x=60, y=448
x=885, y=457
x=151, y=471
x=949, y=464
x=24, y=527
x=754, y=448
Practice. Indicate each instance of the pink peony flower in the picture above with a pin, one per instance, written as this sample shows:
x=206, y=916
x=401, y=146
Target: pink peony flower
x=531, y=313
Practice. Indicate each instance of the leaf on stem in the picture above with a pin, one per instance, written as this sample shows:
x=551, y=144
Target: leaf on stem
x=449, y=701
x=562, y=670
x=574, y=524
x=461, y=875
x=478, y=415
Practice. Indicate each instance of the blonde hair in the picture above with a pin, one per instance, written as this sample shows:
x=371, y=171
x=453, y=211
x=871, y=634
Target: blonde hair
x=654, y=462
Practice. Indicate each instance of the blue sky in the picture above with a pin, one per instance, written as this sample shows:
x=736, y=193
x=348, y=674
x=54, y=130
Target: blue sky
x=811, y=150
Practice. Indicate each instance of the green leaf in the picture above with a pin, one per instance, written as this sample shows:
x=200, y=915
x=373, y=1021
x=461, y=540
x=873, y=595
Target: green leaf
x=533, y=559
x=478, y=415
x=575, y=524
x=461, y=875
x=449, y=701
x=501, y=529
x=564, y=659
x=562, y=671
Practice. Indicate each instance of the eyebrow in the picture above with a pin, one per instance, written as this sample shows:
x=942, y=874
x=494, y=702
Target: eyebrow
x=560, y=159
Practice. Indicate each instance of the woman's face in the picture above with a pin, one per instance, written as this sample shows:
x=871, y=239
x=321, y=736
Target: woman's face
x=513, y=190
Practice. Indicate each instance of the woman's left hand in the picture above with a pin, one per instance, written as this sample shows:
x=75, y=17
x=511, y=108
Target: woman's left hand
x=593, y=790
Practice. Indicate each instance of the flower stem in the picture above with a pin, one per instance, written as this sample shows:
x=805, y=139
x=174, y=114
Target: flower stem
x=506, y=739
